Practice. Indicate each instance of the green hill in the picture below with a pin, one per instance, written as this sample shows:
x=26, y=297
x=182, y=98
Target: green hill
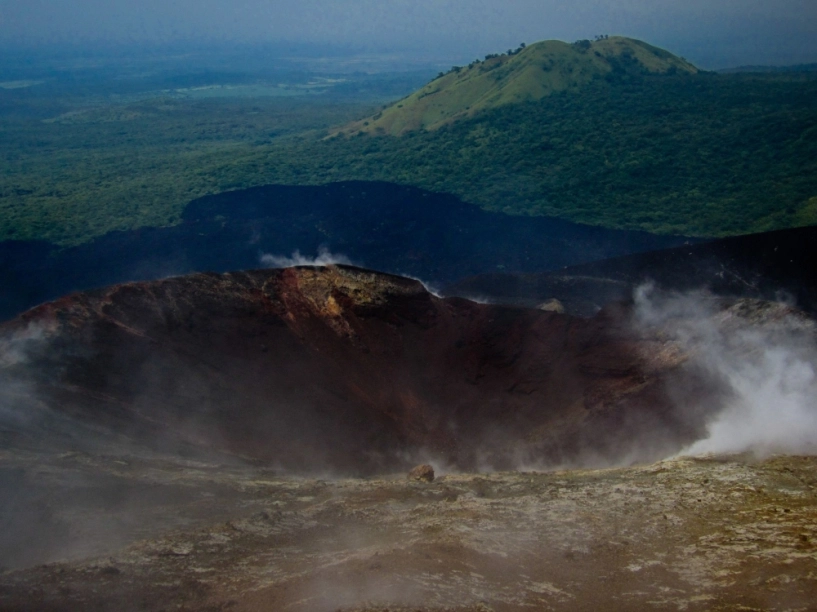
x=525, y=75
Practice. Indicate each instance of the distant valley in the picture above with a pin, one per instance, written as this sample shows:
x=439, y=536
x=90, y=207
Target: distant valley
x=613, y=133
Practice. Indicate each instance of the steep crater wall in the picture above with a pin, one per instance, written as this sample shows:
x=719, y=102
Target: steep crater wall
x=352, y=371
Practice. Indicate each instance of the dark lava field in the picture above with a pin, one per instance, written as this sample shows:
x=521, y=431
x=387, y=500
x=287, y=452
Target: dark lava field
x=391, y=228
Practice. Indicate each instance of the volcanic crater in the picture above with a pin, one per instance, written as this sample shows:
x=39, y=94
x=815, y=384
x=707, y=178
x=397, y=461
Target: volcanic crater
x=356, y=372
x=240, y=441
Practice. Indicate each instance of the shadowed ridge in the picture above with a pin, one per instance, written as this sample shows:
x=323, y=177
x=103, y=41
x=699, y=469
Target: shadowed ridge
x=770, y=265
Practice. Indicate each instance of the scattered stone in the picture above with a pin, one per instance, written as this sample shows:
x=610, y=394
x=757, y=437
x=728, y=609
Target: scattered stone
x=422, y=473
x=552, y=305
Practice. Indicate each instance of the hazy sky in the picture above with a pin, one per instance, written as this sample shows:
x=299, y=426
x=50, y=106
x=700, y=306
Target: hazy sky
x=713, y=33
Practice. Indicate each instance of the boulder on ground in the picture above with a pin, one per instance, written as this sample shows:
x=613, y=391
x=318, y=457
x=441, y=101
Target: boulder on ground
x=422, y=473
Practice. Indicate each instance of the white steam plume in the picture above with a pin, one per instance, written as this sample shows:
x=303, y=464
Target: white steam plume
x=18, y=404
x=767, y=355
x=323, y=258
x=773, y=410
x=326, y=258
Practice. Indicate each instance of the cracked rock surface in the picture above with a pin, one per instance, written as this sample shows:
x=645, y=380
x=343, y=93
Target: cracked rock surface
x=714, y=533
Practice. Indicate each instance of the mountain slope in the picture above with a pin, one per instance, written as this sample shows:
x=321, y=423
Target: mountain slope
x=693, y=154
x=531, y=73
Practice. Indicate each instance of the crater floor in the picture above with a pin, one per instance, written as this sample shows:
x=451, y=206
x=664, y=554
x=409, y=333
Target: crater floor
x=714, y=533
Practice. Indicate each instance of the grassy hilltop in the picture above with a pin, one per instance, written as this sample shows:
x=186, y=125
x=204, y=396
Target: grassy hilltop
x=525, y=75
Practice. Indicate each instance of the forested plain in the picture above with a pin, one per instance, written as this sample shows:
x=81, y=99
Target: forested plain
x=703, y=155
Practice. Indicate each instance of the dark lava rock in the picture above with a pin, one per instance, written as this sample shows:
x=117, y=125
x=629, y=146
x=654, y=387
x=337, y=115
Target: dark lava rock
x=775, y=265
x=422, y=473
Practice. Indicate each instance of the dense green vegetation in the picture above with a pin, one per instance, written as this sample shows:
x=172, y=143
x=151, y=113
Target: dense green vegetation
x=90, y=145
x=698, y=154
x=85, y=171
x=702, y=155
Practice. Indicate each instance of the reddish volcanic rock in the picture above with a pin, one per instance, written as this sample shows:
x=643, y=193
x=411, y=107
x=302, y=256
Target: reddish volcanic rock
x=343, y=368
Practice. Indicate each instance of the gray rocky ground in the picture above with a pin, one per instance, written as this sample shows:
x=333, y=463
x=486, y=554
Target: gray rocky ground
x=714, y=533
